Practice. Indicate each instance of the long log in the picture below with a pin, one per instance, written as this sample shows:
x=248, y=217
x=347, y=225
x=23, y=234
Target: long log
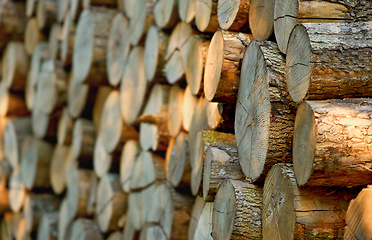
x=233, y=15
x=290, y=212
x=237, y=211
x=85, y=229
x=332, y=143
x=59, y=161
x=127, y=161
x=222, y=70
x=317, y=69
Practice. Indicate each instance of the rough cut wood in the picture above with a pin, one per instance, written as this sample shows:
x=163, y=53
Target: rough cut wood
x=237, y=211
x=285, y=19
x=289, y=212
x=166, y=13
x=58, y=165
x=180, y=35
x=85, y=229
x=104, y=162
x=65, y=220
x=195, y=215
x=65, y=128
x=186, y=10
x=316, y=69
x=222, y=74
x=140, y=22
x=99, y=102
x=221, y=162
x=220, y=116
x=90, y=46
x=206, y=19
x=111, y=202
x=12, y=104
x=113, y=131
x=204, y=226
x=48, y=228
x=35, y=163
x=77, y=95
x=175, y=108
x=188, y=107
x=261, y=19
x=17, y=191
x=117, y=49
x=33, y=35
x=233, y=15
x=83, y=139
x=174, y=70
x=127, y=161
x=133, y=86
x=46, y=13
x=332, y=142
x=264, y=117
x=44, y=125
x=358, y=224
x=9, y=225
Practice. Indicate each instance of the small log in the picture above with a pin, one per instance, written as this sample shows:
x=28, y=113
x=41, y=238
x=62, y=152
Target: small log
x=180, y=35
x=141, y=21
x=133, y=86
x=4, y=197
x=65, y=128
x=117, y=49
x=35, y=163
x=99, y=102
x=83, y=139
x=148, y=169
x=12, y=104
x=285, y=19
x=188, y=107
x=127, y=161
x=62, y=9
x=46, y=13
x=289, y=212
x=265, y=113
x=358, y=224
x=58, y=166
x=186, y=10
x=222, y=70
x=17, y=191
x=332, y=143
x=237, y=211
x=175, y=108
x=33, y=35
x=113, y=131
x=111, y=202
x=155, y=49
x=77, y=97
x=261, y=19
x=15, y=65
x=65, y=220
x=317, y=69
x=129, y=232
x=166, y=14
x=206, y=19
x=15, y=132
x=233, y=15
x=90, y=46
x=203, y=228
x=219, y=116
x=85, y=229
x=221, y=162
x=35, y=206
x=44, y=125
x=152, y=231
x=54, y=42
x=48, y=228
x=195, y=215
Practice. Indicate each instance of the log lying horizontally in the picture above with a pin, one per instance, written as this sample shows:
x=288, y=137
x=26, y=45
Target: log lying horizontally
x=318, y=69
x=85, y=229
x=332, y=142
x=233, y=15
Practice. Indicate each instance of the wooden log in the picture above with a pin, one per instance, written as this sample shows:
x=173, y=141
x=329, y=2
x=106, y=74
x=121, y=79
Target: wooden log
x=67, y=39
x=221, y=75
x=148, y=169
x=264, y=120
x=102, y=160
x=115, y=236
x=90, y=46
x=189, y=105
x=15, y=132
x=155, y=49
x=117, y=49
x=138, y=205
x=9, y=225
x=332, y=143
x=65, y=128
x=77, y=97
x=285, y=19
x=58, y=165
x=113, y=130
x=20, y=232
x=12, y=104
x=237, y=211
x=99, y=102
x=166, y=14
x=129, y=232
x=289, y=212
x=316, y=69
x=54, y=42
x=180, y=35
x=358, y=224
x=129, y=7
x=133, y=86
x=174, y=70
x=111, y=202
x=33, y=35
x=4, y=197
x=206, y=19
x=233, y=15
x=186, y=10
x=35, y=206
x=152, y=231
x=195, y=215
x=175, y=108
x=83, y=139
x=219, y=116
x=48, y=228
x=261, y=19
x=62, y=9
x=85, y=229
x=46, y=13
x=17, y=191
x=105, y=3
x=15, y=66
x=127, y=161
x=30, y=7
x=203, y=228
x=141, y=21
x=221, y=162
x=65, y=220
x=44, y=125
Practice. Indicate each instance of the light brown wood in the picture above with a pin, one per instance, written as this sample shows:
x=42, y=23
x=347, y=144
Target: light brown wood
x=166, y=13
x=206, y=19
x=20, y=232
x=58, y=165
x=332, y=143
x=10, y=225
x=12, y=104
x=17, y=191
x=54, y=41
x=48, y=228
x=62, y=9
x=138, y=204
x=237, y=211
x=204, y=226
x=317, y=70
x=83, y=139
x=174, y=70
x=222, y=75
x=180, y=35
x=140, y=22
x=285, y=18
x=188, y=107
x=127, y=161
x=65, y=220
x=85, y=229
x=220, y=116
x=90, y=45
x=111, y=202
x=46, y=13
x=152, y=231
x=358, y=216
x=99, y=102
x=30, y=7
x=233, y=15
x=4, y=198
x=105, y=3
x=175, y=108
x=77, y=95
x=195, y=215
x=32, y=35
x=101, y=158
x=65, y=128
x=44, y=125
x=186, y=10
x=67, y=39
x=115, y=236
x=289, y=212
x=261, y=19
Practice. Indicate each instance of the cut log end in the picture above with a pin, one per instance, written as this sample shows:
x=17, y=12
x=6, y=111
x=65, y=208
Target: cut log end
x=127, y=161
x=85, y=229
x=261, y=19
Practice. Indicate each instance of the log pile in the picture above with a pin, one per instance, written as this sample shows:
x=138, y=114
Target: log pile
x=216, y=119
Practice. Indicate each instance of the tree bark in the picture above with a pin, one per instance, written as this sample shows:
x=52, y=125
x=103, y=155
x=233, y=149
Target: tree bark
x=222, y=71
x=332, y=143
x=233, y=15
x=318, y=69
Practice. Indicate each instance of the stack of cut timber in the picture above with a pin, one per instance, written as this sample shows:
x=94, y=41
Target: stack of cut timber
x=216, y=119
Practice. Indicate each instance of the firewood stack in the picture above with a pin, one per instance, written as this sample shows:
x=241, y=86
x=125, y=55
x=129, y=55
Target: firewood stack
x=142, y=119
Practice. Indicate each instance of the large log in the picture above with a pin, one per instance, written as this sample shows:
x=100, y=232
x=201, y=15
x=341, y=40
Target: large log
x=317, y=69
x=85, y=229
x=165, y=13
x=222, y=70
x=127, y=161
x=233, y=15
x=290, y=212
x=261, y=19
x=332, y=143
x=264, y=117
x=59, y=161
x=237, y=211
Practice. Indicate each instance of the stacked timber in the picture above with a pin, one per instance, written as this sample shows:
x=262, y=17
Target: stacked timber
x=215, y=119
